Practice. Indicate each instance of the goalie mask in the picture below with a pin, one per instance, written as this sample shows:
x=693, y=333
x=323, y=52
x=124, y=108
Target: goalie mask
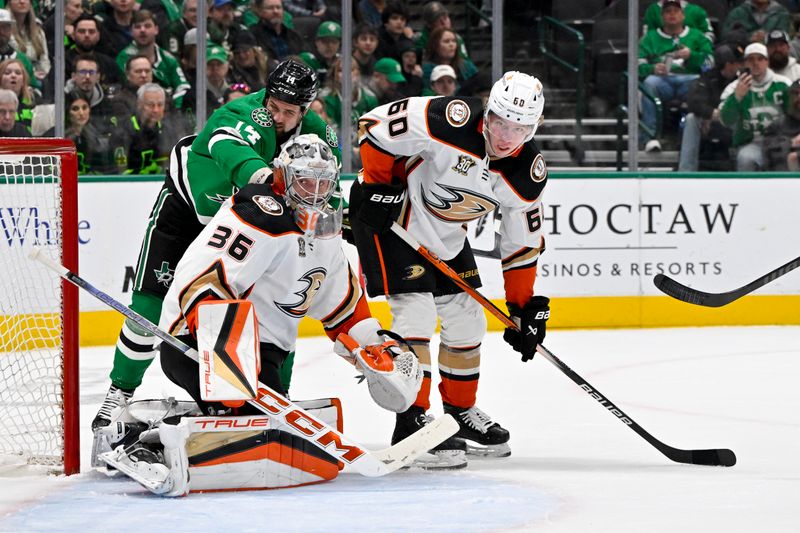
x=518, y=100
x=309, y=174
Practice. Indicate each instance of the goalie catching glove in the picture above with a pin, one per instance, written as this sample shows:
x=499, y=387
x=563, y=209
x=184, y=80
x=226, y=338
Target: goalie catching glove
x=532, y=322
x=393, y=376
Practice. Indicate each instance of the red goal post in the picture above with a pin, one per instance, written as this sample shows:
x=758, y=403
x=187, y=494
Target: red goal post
x=39, y=419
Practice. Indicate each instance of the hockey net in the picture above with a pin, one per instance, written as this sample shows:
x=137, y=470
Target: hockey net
x=38, y=312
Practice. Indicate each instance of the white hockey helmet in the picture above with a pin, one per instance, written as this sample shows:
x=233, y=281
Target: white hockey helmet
x=518, y=98
x=308, y=175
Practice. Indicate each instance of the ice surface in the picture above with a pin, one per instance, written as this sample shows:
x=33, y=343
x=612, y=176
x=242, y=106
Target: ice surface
x=573, y=468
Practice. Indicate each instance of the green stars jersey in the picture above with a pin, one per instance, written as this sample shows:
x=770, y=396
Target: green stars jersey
x=765, y=103
x=238, y=140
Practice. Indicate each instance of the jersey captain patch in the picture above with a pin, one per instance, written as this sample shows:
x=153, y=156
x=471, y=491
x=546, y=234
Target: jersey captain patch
x=465, y=163
x=457, y=113
x=460, y=205
x=261, y=116
x=268, y=204
x=538, y=168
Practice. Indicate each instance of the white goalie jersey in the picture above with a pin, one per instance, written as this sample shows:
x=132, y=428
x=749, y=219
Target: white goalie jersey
x=436, y=147
x=253, y=249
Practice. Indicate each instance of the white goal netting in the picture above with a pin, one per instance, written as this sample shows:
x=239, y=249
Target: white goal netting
x=31, y=354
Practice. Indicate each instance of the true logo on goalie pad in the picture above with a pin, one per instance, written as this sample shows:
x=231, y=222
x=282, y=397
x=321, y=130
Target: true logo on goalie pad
x=227, y=342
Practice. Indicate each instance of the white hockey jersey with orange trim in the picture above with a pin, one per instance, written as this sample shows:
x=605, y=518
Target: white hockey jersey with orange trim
x=436, y=147
x=253, y=249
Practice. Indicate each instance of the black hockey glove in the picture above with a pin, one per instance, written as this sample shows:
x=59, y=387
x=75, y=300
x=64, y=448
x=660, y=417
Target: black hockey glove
x=532, y=321
x=380, y=205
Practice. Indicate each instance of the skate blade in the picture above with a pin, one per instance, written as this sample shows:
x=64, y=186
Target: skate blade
x=440, y=460
x=493, y=451
x=153, y=477
x=100, y=445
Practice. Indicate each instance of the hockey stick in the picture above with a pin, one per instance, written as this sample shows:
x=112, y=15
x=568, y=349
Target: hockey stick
x=711, y=457
x=686, y=294
x=286, y=413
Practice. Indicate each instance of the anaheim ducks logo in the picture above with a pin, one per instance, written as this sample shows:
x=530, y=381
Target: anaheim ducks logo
x=460, y=205
x=538, y=168
x=268, y=204
x=313, y=280
x=457, y=113
x=414, y=272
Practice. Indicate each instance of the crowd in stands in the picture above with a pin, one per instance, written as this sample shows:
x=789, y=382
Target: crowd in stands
x=130, y=69
x=738, y=92
x=130, y=66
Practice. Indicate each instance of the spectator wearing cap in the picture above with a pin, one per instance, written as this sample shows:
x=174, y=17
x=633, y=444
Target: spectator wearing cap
x=272, y=35
x=670, y=59
x=393, y=30
x=696, y=17
x=249, y=65
x=435, y=15
x=306, y=8
x=217, y=67
x=386, y=77
x=442, y=49
x=412, y=71
x=703, y=133
x=8, y=116
x=757, y=18
x=116, y=25
x=86, y=37
x=167, y=72
x=222, y=25
x=780, y=59
x=6, y=50
x=782, y=141
x=326, y=49
x=443, y=81
x=750, y=104
x=29, y=36
x=138, y=71
x=365, y=41
x=172, y=39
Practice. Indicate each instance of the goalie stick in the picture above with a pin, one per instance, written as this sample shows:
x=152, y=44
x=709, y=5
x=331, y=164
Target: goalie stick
x=710, y=457
x=686, y=294
x=288, y=414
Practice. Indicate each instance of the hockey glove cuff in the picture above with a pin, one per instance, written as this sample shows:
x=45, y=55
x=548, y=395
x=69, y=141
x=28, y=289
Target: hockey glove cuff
x=380, y=205
x=532, y=321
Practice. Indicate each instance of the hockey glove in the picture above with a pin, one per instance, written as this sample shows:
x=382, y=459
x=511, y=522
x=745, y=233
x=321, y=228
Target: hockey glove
x=380, y=205
x=532, y=322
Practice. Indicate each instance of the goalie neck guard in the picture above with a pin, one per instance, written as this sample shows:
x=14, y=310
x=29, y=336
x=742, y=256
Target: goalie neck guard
x=308, y=176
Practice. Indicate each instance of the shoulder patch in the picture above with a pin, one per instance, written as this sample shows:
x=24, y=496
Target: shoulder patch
x=457, y=113
x=538, y=168
x=330, y=137
x=268, y=204
x=261, y=116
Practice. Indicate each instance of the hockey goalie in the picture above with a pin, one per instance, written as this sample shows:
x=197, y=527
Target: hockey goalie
x=270, y=256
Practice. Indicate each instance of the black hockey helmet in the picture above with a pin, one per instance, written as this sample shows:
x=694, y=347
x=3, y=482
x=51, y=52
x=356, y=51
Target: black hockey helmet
x=294, y=83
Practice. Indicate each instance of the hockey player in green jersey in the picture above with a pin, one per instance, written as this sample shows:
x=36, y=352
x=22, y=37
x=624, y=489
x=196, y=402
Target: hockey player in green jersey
x=750, y=104
x=234, y=149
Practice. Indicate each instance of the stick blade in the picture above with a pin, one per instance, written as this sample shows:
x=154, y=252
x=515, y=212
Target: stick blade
x=681, y=292
x=713, y=457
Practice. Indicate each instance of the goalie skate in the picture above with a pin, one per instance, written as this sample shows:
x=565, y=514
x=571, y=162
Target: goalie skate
x=143, y=465
x=482, y=436
x=449, y=455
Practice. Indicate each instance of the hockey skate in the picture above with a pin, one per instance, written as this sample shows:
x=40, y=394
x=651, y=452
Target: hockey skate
x=449, y=455
x=114, y=398
x=481, y=436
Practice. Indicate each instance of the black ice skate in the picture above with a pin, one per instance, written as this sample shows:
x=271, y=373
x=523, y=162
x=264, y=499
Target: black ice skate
x=449, y=455
x=114, y=398
x=482, y=436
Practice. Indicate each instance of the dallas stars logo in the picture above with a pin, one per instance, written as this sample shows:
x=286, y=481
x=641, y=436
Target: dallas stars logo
x=261, y=117
x=165, y=275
